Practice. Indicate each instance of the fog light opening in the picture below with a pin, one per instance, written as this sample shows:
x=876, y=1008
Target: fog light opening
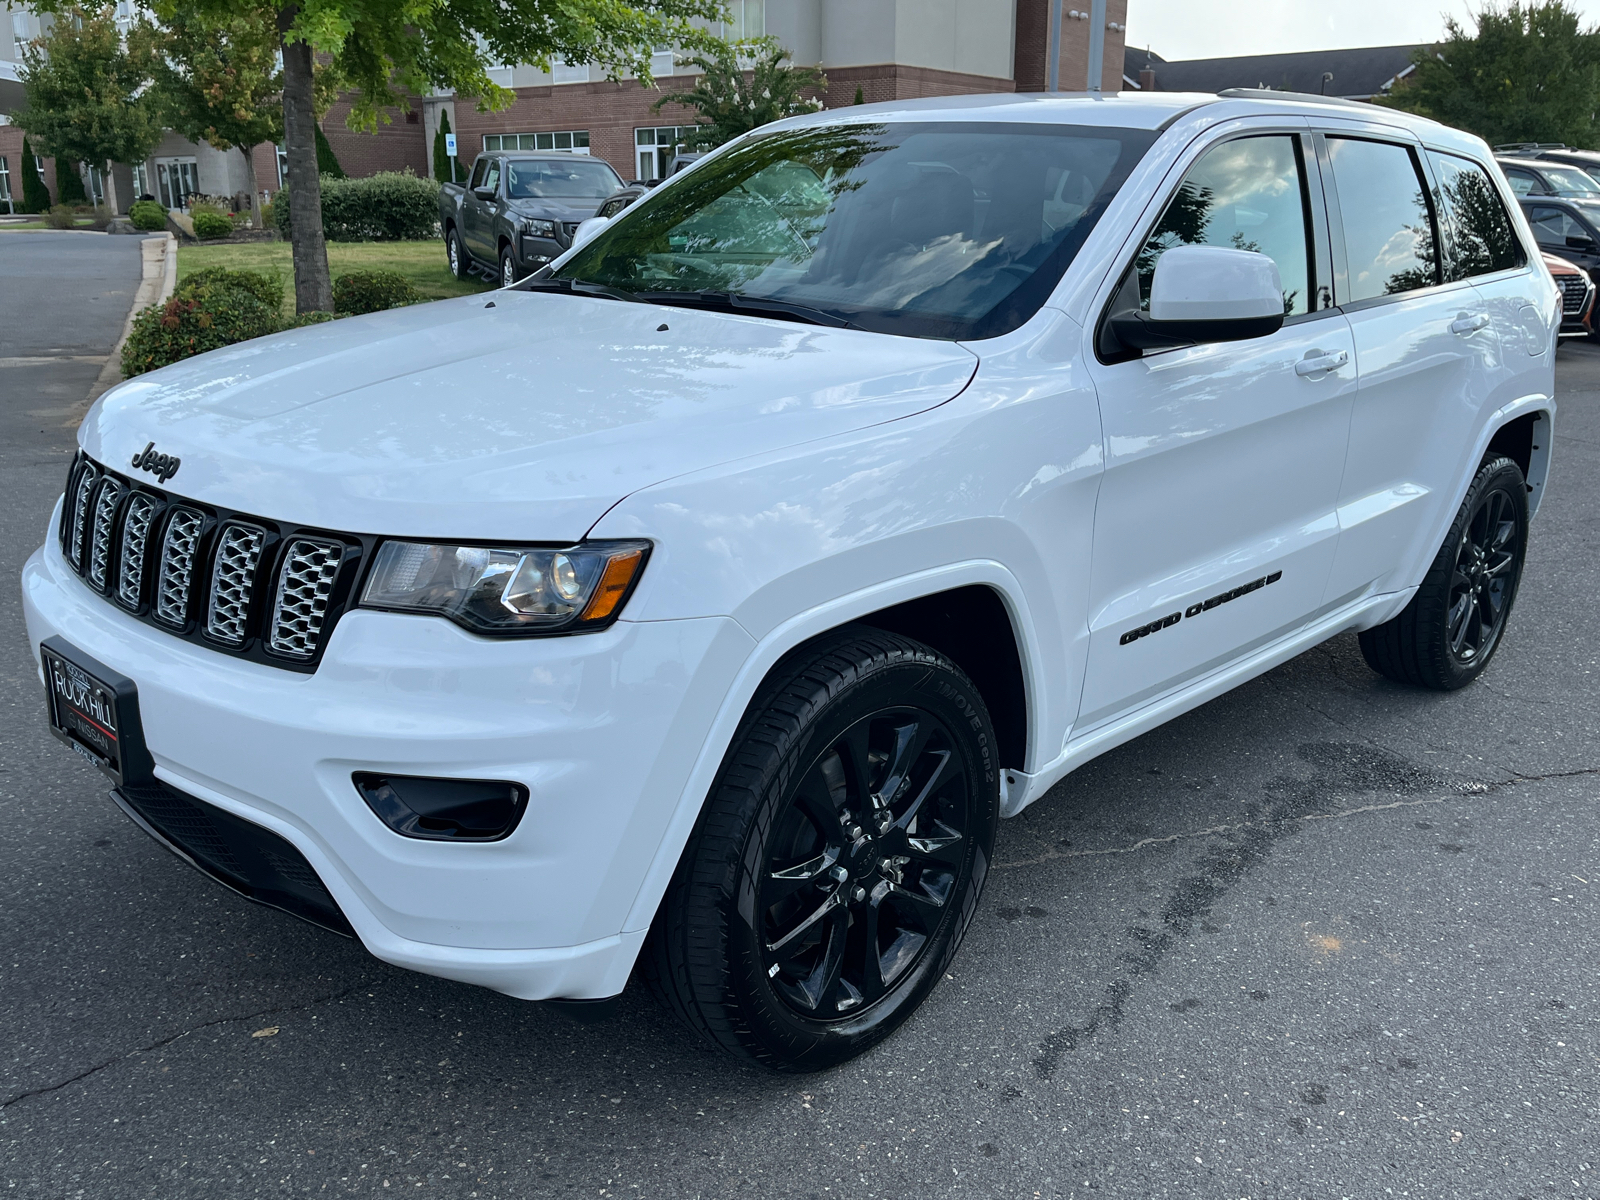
x=444, y=810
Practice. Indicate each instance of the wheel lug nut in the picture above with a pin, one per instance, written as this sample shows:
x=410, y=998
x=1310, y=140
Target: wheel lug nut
x=855, y=831
x=839, y=874
x=860, y=894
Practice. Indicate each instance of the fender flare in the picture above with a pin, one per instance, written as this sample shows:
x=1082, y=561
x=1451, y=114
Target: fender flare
x=796, y=631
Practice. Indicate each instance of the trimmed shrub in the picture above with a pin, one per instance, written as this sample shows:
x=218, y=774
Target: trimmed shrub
x=392, y=206
x=372, y=291
x=61, y=216
x=267, y=288
x=204, y=314
x=211, y=225
x=268, y=220
x=147, y=215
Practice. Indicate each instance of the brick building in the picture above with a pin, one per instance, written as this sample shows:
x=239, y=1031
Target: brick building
x=885, y=49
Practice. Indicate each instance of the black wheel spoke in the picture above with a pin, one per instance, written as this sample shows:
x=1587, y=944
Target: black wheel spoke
x=1460, y=621
x=941, y=763
x=816, y=801
x=870, y=980
x=790, y=938
x=782, y=884
x=941, y=844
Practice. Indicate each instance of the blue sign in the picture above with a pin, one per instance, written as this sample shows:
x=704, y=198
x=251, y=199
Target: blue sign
x=450, y=144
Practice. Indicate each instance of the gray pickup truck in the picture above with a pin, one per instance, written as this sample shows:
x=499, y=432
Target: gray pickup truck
x=519, y=210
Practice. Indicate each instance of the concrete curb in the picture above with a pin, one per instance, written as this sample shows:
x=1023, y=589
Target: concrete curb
x=158, y=280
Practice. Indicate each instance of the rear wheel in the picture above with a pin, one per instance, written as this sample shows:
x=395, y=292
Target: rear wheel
x=455, y=254
x=1446, y=636
x=839, y=857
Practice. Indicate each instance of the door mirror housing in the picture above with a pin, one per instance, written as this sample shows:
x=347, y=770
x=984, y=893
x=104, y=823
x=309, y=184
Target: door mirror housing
x=1201, y=294
x=587, y=229
x=483, y=193
x=1580, y=243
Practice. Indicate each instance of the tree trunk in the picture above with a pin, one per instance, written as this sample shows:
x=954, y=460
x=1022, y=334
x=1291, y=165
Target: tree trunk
x=313, y=291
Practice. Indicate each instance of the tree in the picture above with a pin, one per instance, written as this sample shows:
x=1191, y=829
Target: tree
x=1529, y=72
x=35, y=195
x=445, y=168
x=218, y=84
x=383, y=53
x=69, y=183
x=85, y=94
x=728, y=101
x=327, y=164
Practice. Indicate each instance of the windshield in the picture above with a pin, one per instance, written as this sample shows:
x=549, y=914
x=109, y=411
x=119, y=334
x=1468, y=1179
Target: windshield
x=1570, y=181
x=951, y=230
x=585, y=178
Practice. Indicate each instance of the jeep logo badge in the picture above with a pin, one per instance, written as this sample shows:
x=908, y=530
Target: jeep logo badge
x=162, y=466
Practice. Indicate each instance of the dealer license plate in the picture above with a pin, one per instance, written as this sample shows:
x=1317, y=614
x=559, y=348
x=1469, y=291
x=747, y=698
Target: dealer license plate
x=84, y=711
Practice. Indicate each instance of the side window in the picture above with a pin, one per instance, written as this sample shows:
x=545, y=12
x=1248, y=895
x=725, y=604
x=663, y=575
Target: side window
x=1389, y=240
x=1480, y=229
x=491, y=178
x=1248, y=194
x=1555, y=227
x=1522, y=183
x=478, y=168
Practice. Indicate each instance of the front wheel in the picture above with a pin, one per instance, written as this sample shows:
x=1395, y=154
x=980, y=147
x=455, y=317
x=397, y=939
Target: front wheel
x=508, y=267
x=455, y=255
x=1446, y=636
x=838, y=859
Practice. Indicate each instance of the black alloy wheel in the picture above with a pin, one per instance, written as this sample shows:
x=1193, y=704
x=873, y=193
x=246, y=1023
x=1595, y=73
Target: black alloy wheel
x=1450, y=630
x=839, y=858
x=862, y=863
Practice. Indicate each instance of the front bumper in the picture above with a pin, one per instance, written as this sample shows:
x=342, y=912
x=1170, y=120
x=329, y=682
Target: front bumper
x=602, y=728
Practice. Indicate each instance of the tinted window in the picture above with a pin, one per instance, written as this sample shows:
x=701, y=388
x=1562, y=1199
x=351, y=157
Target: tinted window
x=1388, y=234
x=1569, y=181
x=1247, y=194
x=1480, y=230
x=578, y=177
x=1553, y=226
x=491, y=178
x=478, y=169
x=1522, y=183
x=951, y=230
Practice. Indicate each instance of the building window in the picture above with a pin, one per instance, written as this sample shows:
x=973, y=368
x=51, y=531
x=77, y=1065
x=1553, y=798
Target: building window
x=562, y=71
x=283, y=167
x=749, y=20
x=5, y=183
x=655, y=147
x=141, y=181
x=176, y=180
x=575, y=140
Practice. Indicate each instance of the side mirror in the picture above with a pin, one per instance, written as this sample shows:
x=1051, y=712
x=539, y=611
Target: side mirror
x=587, y=229
x=1580, y=243
x=1203, y=294
x=483, y=193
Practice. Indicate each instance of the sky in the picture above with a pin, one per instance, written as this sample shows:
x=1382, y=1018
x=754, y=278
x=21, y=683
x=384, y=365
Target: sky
x=1177, y=29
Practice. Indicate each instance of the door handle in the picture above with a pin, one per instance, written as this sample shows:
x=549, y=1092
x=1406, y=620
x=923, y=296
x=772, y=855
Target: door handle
x=1315, y=362
x=1466, y=324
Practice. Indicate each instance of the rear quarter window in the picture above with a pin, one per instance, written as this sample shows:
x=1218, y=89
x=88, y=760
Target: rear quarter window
x=1482, y=238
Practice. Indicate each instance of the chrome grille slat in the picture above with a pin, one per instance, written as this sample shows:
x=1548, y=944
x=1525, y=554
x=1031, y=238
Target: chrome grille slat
x=305, y=583
x=233, y=570
x=177, y=566
x=1573, y=290
x=80, y=515
x=135, y=540
x=105, y=513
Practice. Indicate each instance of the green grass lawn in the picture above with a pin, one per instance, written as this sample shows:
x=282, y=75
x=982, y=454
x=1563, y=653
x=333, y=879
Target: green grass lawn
x=421, y=262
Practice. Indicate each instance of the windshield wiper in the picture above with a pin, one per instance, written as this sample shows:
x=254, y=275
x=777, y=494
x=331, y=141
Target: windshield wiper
x=738, y=302
x=578, y=287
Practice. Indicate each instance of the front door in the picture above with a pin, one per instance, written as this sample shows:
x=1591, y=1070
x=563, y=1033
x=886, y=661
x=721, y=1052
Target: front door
x=1216, y=524
x=479, y=215
x=1559, y=231
x=1427, y=354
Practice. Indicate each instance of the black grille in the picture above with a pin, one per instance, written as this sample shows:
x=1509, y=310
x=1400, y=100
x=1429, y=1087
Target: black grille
x=233, y=582
x=253, y=861
x=1574, y=290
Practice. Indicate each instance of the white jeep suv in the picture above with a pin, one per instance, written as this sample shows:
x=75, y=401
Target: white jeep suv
x=701, y=604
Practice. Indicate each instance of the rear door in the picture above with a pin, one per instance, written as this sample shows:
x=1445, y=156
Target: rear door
x=1558, y=230
x=1215, y=528
x=1425, y=349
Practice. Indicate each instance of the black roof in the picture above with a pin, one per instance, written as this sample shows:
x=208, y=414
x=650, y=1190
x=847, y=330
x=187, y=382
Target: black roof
x=1358, y=73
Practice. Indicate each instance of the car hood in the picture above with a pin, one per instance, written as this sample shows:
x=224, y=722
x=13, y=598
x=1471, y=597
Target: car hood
x=556, y=208
x=515, y=415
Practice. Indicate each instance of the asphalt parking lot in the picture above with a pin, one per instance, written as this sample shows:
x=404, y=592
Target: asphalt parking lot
x=1325, y=936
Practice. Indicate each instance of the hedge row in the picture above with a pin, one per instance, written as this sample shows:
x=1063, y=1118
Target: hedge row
x=392, y=206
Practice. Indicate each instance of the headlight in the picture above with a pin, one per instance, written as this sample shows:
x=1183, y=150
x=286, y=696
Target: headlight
x=498, y=590
x=538, y=228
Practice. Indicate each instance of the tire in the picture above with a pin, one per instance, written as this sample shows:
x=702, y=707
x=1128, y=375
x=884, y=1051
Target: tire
x=456, y=255
x=808, y=918
x=1447, y=635
x=508, y=267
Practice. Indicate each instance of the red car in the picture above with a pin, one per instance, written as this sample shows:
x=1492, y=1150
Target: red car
x=1577, y=298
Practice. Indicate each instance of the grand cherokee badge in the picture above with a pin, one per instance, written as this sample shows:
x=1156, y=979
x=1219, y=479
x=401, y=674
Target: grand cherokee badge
x=162, y=466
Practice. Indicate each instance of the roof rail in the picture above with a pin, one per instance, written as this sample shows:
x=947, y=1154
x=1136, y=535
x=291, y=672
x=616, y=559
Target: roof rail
x=1523, y=147
x=1297, y=97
